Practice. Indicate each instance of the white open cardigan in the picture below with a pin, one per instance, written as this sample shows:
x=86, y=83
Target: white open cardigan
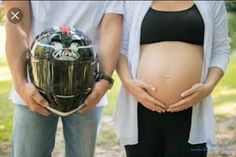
x=216, y=54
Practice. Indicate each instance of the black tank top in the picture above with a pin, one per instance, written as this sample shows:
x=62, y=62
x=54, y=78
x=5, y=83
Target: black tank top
x=186, y=26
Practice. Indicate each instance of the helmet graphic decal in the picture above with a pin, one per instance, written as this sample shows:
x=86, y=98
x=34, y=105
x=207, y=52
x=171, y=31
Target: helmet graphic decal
x=65, y=54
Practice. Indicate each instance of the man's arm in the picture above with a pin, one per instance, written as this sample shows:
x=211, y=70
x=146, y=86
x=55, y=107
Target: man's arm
x=110, y=34
x=17, y=43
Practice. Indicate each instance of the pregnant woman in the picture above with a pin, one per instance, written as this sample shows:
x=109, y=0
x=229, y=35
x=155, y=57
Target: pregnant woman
x=173, y=55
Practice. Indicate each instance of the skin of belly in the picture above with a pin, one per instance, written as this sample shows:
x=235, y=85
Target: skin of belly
x=171, y=67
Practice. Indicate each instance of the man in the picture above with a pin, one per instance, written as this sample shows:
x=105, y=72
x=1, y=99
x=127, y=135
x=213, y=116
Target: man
x=35, y=127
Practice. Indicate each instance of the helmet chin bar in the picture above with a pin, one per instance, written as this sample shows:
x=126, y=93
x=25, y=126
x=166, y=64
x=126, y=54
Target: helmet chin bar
x=50, y=98
x=63, y=114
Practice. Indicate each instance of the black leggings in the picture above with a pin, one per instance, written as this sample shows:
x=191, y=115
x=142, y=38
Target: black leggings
x=164, y=135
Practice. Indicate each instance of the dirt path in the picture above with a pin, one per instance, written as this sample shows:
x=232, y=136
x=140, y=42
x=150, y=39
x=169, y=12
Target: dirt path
x=225, y=131
x=226, y=138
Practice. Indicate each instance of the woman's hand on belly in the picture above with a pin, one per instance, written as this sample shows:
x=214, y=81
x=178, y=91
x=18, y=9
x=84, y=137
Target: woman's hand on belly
x=191, y=96
x=140, y=90
x=171, y=67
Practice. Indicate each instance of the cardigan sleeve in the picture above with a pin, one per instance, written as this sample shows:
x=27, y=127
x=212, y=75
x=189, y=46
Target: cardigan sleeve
x=220, y=45
x=116, y=7
x=127, y=20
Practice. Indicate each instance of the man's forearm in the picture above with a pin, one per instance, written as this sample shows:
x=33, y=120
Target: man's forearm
x=110, y=34
x=17, y=42
x=15, y=53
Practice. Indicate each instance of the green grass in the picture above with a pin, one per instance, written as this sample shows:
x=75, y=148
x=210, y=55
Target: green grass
x=3, y=63
x=226, y=90
x=229, y=79
x=232, y=26
x=5, y=104
x=5, y=111
x=112, y=96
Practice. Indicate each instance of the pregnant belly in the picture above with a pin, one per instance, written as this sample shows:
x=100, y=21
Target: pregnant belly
x=171, y=67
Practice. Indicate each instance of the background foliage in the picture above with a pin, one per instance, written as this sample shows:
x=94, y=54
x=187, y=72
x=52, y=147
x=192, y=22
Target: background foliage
x=2, y=13
x=232, y=29
x=231, y=6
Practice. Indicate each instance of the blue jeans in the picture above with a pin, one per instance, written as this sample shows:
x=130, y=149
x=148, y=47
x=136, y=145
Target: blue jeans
x=34, y=134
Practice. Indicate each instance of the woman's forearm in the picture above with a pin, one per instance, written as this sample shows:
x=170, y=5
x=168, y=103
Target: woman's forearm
x=123, y=69
x=214, y=76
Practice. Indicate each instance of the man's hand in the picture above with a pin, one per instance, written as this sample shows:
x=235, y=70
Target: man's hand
x=17, y=42
x=139, y=90
x=33, y=99
x=191, y=96
x=93, y=99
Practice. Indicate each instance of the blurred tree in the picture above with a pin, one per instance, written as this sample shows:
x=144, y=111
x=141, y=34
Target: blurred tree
x=231, y=6
x=2, y=14
x=232, y=29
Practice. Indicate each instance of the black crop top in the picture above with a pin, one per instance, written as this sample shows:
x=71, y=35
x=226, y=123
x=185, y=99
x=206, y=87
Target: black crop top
x=186, y=26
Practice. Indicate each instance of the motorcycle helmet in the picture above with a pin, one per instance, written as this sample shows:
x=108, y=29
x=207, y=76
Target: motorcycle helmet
x=63, y=66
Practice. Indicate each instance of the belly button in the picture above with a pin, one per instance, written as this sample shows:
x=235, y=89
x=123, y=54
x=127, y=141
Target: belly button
x=167, y=78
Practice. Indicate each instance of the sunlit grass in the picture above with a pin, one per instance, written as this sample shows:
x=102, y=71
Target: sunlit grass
x=112, y=94
x=5, y=74
x=225, y=90
x=3, y=63
x=5, y=110
x=6, y=107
